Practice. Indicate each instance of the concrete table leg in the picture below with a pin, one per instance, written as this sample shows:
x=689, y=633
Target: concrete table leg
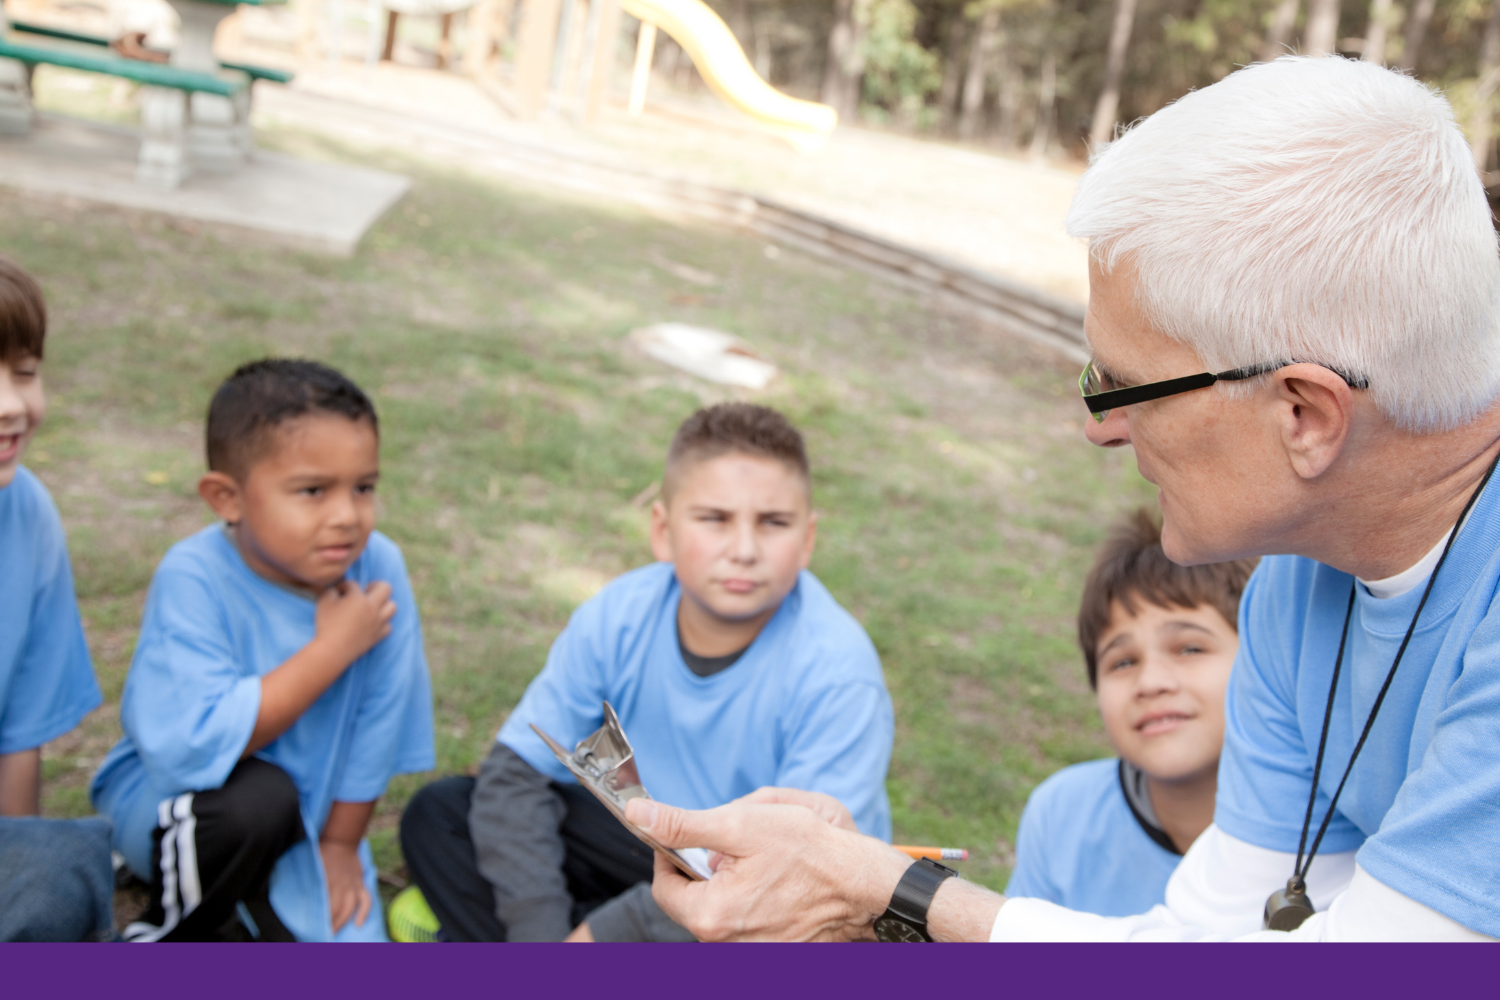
x=164, y=156
x=218, y=127
x=15, y=97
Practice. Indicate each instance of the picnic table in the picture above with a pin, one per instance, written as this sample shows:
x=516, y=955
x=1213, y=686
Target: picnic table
x=195, y=110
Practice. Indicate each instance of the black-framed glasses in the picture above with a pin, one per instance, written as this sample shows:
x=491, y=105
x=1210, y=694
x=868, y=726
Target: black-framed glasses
x=1101, y=395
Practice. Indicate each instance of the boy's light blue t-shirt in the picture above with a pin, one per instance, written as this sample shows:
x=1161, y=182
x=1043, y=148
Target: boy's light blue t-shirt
x=805, y=706
x=1081, y=847
x=1423, y=804
x=47, y=680
x=212, y=628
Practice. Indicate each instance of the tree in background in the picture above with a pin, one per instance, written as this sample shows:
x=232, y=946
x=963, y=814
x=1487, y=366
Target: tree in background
x=1034, y=76
x=1322, y=35
x=1108, y=107
x=846, y=57
x=899, y=74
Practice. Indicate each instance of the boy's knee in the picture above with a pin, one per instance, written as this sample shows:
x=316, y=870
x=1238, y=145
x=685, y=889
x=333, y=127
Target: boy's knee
x=260, y=802
x=437, y=809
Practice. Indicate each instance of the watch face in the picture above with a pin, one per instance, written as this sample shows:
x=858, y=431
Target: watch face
x=896, y=929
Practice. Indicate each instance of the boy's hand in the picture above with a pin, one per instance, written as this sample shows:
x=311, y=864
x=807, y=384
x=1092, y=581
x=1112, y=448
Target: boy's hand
x=347, y=895
x=350, y=619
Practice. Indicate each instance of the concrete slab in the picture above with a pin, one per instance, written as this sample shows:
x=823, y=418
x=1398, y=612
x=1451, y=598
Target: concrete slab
x=316, y=206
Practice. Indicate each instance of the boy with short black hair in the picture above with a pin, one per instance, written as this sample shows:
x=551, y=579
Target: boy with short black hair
x=731, y=668
x=279, y=681
x=55, y=877
x=1158, y=641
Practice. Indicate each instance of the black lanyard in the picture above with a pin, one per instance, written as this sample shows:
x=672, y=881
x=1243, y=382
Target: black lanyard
x=1288, y=908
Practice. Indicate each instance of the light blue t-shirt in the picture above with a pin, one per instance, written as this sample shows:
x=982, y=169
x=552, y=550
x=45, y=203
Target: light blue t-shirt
x=212, y=629
x=804, y=707
x=1081, y=847
x=47, y=680
x=1423, y=804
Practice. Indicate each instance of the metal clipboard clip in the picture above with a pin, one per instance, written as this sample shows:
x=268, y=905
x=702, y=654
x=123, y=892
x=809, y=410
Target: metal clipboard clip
x=604, y=763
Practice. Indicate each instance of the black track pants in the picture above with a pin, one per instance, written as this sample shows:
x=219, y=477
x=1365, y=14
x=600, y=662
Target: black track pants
x=216, y=849
x=603, y=858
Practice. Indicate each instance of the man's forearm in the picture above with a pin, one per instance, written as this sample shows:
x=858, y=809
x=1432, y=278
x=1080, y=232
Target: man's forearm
x=962, y=911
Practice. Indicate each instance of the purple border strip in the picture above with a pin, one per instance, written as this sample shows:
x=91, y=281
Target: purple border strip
x=764, y=972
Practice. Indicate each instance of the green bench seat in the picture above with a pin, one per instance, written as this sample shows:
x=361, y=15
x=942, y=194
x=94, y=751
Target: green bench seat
x=253, y=72
x=33, y=49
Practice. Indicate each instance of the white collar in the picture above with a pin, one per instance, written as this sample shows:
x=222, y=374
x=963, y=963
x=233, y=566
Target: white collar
x=1407, y=579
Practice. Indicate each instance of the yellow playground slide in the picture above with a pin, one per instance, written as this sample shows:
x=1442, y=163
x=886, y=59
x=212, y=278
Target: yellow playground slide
x=722, y=63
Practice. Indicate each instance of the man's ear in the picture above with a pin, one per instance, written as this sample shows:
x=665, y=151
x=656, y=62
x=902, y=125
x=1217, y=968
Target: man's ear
x=810, y=540
x=220, y=491
x=1315, y=410
x=661, y=533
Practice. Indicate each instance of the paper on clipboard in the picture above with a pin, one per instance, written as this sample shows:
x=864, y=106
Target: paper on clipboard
x=604, y=763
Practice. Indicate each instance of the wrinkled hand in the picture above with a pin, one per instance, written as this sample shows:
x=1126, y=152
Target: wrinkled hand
x=351, y=619
x=785, y=872
x=347, y=895
x=826, y=806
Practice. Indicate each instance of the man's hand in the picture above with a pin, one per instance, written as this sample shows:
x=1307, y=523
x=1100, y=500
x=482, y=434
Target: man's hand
x=347, y=895
x=826, y=806
x=581, y=935
x=350, y=619
x=785, y=872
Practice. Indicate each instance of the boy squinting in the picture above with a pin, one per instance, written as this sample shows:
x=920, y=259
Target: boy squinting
x=1158, y=641
x=289, y=636
x=737, y=529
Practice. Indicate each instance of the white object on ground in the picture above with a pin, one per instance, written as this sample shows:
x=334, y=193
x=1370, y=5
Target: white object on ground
x=709, y=354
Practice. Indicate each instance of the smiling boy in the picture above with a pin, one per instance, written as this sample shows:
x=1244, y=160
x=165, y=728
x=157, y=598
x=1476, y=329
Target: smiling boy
x=1158, y=640
x=279, y=681
x=55, y=879
x=731, y=668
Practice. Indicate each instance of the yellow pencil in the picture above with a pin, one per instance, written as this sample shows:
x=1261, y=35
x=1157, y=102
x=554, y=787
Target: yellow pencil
x=935, y=853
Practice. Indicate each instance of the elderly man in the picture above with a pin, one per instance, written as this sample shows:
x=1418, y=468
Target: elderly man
x=1295, y=315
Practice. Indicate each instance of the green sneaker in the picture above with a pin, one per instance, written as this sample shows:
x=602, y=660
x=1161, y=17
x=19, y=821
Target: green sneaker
x=410, y=920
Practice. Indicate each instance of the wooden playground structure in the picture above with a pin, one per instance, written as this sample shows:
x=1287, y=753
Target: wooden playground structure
x=564, y=52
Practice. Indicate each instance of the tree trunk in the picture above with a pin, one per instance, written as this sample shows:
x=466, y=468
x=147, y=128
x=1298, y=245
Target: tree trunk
x=1380, y=16
x=1279, y=33
x=739, y=24
x=978, y=70
x=1416, y=30
x=846, y=57
x=1010, y=88
x=1322, y=35
x=1041, y=132
x=1489, y=75
x=953, y=65
x=1114, y=67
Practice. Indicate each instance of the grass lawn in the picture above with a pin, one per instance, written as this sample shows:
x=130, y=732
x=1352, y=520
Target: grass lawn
x=959, y=500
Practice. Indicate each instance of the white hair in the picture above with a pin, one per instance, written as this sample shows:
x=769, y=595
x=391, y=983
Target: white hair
x=1311, y=209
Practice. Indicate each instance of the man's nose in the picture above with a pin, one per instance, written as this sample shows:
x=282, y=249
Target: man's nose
x=1112, y=432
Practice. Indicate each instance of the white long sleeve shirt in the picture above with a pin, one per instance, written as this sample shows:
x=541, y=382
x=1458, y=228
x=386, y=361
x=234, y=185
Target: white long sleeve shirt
x=1219, y=891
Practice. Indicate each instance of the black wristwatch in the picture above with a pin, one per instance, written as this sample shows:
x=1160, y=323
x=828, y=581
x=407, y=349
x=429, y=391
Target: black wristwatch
x=906, y=918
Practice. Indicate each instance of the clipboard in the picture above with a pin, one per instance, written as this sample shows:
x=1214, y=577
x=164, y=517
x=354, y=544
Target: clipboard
x=604, y=763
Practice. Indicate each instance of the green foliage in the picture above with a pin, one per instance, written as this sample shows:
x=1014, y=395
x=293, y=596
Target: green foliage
x=900, y=74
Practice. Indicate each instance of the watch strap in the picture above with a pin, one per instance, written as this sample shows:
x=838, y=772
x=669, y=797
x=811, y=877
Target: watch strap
x=913, y=895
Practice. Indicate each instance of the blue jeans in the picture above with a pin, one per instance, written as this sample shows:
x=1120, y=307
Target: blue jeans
x=56, y=880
